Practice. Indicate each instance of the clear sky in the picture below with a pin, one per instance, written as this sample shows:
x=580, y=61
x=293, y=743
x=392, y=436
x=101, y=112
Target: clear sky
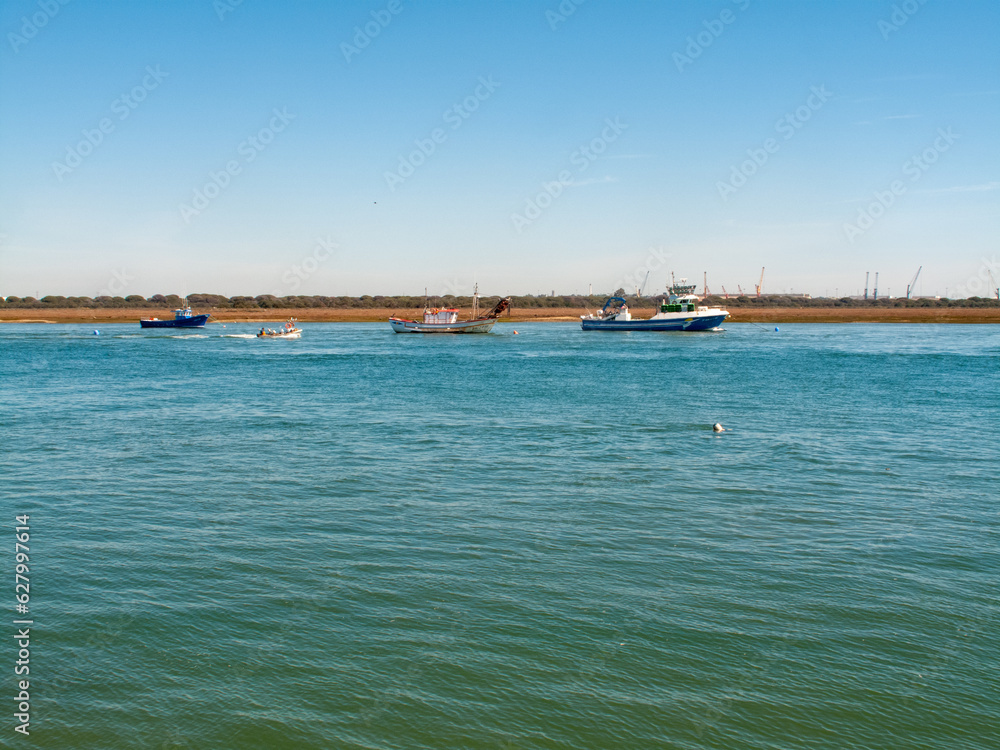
x=383, y=147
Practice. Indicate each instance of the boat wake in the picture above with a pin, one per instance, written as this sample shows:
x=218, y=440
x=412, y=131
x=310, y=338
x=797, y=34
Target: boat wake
x=238, y=336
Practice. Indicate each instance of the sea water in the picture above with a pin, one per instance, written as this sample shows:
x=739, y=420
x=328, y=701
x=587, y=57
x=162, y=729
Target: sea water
x=361, y=539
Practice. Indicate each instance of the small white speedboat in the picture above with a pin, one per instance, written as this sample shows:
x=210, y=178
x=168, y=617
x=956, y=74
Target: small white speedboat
x=289, y=331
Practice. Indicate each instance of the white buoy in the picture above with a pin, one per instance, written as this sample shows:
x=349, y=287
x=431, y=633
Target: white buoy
x=718, y=428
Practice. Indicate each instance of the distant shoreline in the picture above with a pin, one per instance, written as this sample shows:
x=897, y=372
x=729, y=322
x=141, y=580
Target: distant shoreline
x=523, y=315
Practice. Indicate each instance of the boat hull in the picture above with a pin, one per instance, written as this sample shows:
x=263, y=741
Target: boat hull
x=289, y=335
x=681, y=323
x=482, y=325
x=195, y=321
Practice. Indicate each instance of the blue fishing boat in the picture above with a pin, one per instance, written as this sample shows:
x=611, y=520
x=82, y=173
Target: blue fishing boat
x=679, y=311
x=183, y=318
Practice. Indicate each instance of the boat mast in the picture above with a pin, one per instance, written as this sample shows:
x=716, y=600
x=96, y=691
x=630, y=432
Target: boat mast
x=475, y=302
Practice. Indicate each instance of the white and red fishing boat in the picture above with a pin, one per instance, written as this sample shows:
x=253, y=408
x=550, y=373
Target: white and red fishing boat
x=445, y=319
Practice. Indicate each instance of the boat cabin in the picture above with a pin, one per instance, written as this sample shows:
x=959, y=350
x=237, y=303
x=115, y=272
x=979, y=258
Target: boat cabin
x=678, y=305
x=441, y=315
x=680, y=298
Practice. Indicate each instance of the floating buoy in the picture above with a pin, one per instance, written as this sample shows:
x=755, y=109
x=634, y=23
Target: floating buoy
x=776, y=329
x=515, y=333
x=718, y=428
x=96, y=332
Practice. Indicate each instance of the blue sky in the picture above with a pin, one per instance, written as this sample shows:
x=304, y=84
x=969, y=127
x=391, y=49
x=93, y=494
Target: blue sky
x=385, y=147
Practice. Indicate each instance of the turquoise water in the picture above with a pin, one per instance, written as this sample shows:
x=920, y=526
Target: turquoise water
x=367, y=540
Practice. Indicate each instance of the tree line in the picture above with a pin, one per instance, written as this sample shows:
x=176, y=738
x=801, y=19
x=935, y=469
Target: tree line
x=268, y=301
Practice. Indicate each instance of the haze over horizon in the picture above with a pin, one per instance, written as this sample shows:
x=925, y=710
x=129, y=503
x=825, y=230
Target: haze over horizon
x=383, y=147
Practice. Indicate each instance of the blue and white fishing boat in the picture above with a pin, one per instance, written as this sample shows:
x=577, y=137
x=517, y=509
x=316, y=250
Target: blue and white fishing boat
x=679, y=311
x=183, y=318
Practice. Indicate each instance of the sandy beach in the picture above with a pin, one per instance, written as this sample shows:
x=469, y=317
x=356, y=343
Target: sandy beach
x=523, y=315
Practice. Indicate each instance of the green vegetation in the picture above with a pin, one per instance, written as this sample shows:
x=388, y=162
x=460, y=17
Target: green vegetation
x=202, y=302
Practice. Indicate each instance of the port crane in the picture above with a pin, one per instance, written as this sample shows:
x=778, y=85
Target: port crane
x=913, y=284
x=640, y=290
x=740, y=289
x=993, y=284
x=725, y=293
x=875, y=294
x=760, y=284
